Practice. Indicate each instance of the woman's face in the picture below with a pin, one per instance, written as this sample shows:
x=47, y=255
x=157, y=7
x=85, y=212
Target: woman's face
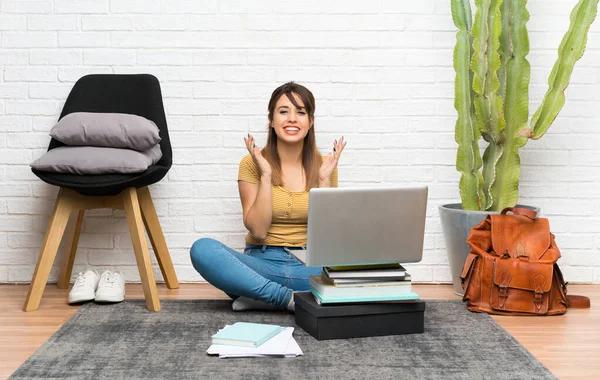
x=291, y=124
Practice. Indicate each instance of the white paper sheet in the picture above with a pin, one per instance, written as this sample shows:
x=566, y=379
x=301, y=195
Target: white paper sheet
x=282, y=344
x=292, y=351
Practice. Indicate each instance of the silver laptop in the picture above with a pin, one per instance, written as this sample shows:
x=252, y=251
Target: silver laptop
x=358, y=226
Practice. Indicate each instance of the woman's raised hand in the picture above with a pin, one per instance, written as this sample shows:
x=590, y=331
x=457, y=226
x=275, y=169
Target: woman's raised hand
x=262, y=164
x=331, y=160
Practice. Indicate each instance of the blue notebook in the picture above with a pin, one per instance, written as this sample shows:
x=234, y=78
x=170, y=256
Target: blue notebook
x=246, y=334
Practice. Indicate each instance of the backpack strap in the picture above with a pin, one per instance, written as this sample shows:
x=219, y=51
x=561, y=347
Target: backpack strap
x=520, y=211
x=578, y=302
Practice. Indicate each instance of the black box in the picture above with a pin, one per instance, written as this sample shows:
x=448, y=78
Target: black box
x=358, y=320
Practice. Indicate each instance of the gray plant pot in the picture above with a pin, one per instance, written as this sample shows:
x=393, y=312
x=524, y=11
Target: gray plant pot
x=457, y=224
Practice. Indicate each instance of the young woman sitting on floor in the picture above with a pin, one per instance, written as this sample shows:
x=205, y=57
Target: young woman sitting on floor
x=273, y=185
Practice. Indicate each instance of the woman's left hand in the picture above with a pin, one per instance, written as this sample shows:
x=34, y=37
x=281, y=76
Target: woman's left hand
x=331, y=160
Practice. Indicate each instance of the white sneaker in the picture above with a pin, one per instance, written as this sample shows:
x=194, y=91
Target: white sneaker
x=84, y=287
x=111, y=287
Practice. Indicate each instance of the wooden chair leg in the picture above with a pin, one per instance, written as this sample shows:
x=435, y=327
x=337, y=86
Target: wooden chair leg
x=66, y=268
x=54, y=233
x=140, y=247
x=157, y=239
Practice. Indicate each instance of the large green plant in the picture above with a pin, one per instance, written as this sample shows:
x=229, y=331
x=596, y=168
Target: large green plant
x=492, y=94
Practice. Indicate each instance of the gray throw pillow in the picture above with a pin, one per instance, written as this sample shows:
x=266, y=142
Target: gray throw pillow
x=113, y=130
x=86, y=160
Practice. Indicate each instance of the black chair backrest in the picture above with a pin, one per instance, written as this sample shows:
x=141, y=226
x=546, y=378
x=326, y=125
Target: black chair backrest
x=137, y=94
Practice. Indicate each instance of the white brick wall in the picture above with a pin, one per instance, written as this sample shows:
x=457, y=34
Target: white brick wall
x=382, y=75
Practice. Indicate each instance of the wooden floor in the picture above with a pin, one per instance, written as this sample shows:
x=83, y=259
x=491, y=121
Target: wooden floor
x=569, y=345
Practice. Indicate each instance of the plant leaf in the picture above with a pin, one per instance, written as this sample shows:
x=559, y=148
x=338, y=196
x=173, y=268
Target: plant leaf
x=468, y=159
x=504, y=190
x=491, y=156
x=489, y=107
x=516, y=102
x=479, y=66
x=570, y=51
x=506, y=186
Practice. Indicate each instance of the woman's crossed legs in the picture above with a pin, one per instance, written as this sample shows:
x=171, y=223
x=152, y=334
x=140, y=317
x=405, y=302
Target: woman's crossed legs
x=266, y=273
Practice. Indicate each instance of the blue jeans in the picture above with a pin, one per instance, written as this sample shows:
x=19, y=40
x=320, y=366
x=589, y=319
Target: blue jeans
x=265, y=273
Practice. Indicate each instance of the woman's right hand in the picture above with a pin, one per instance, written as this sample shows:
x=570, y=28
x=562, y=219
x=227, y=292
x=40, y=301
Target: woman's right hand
x=263, y=165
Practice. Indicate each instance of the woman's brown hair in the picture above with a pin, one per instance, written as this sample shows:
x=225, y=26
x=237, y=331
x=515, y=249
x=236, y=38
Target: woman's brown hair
x=311, y=157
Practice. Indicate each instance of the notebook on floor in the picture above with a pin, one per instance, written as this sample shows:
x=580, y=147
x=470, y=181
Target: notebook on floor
x=246, y=334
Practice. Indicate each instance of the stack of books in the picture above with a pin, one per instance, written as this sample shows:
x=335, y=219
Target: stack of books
x=245, y=339
x=367, y=283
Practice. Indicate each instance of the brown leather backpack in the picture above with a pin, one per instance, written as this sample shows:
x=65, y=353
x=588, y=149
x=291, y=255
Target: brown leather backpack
x=512, y=268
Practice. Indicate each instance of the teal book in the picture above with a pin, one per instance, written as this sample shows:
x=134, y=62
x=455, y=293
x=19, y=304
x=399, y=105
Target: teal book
x=246, y=334
x=411, y=296
x=376, y=289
